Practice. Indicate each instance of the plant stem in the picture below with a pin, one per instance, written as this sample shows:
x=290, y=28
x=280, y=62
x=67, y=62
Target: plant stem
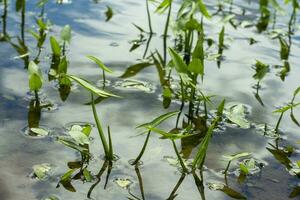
x=100, y=130
x=135, y=162
x=278, y=123
x=185, y=170
x=149, y=17
x=111, y=152
x=166, y=33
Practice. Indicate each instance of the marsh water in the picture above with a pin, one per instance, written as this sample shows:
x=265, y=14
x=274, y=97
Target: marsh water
x=275, y=155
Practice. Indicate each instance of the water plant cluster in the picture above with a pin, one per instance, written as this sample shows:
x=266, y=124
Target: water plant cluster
x=194, y=114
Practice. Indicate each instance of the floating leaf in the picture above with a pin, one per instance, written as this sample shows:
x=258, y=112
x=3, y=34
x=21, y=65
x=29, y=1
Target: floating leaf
x=39, y=131
x=79, y=137
x=41, y=171
x=236, y=114
x=123, y=182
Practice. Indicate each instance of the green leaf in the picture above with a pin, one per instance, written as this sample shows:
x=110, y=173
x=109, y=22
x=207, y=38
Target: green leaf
x=284, y=49
x=232, y=193
x=296, y=92
x=87, y=130
x=67, y=176
x=70, y=143
x=90, y=87
x=157, y=121
x=87, y=175
x=221, y=38
x=56, y=50
x=63, y=65
x=286, y=108
x=66, y=33
x=79, y=137
x=20, y=5
x=41, y=171
x=261, y=70
x=203, y=9
x=34, y=69
x=196, y=66
x=169, y=135
x=200, y=156
x=163, y=6
x=221, y=109
x=236, y=114
x=39, y=131
x=109, y=13
x=237, y=156
x=244, y=169
x=135, y=69
x=99, y=63
x=123, y=183
x=178, y=62
x=35, y=82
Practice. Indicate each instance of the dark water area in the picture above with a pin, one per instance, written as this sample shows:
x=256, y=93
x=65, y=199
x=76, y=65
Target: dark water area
x=248, y=124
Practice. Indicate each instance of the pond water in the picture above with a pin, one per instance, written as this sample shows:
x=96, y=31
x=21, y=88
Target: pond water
x=30, y=130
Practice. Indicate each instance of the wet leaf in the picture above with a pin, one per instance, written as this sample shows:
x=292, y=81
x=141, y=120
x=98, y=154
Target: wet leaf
x=168, y=135
x=66, y=33
x=79, y=137
x=196, y=67
x=244, y=169
x=100, y=64
x=123, y=183
x=261, y=70
x=87, y=175
x=178, y=62
x=157, y=121
x=109, y=13
x=203, y=9
x=41, y=171
x=70, y=143
x=237, y=156
x=236, y=114
x=135, y=69
x=232, y=193
x=56, y=50
x=295, y=192
x=90, y=87
x=39, y=131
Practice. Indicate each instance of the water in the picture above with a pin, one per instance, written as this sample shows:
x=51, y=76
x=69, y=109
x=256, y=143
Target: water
x=110, y=41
